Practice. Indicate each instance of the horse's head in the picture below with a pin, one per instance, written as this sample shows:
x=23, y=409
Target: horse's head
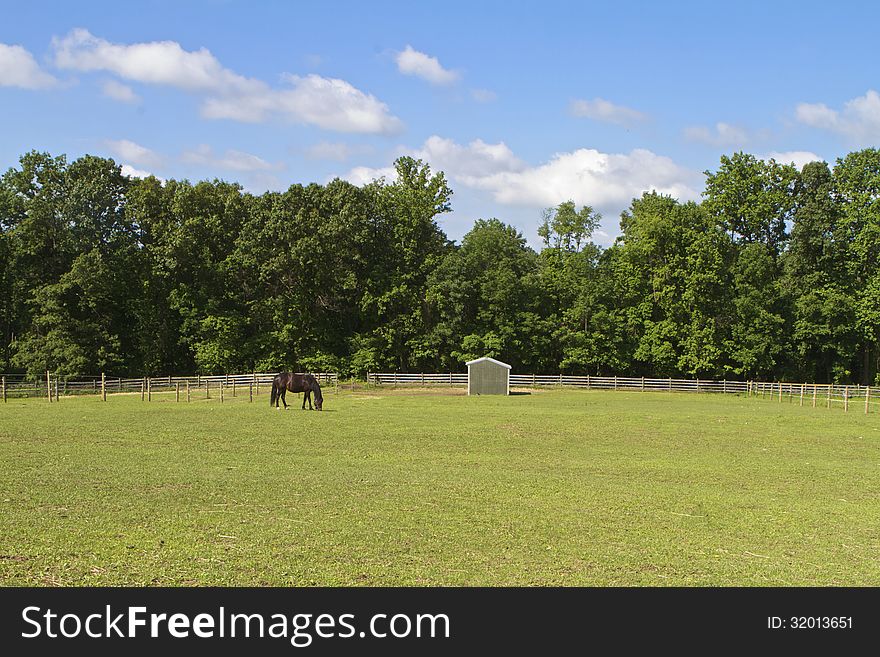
x=319, y=398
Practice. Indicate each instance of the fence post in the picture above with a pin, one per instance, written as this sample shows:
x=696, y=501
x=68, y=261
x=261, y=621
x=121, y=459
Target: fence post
x=670, y=384
x=560, y=378
x=207, y=389
x=867, y=398
x=256, y=385
x=814, y=394
x=143, y=388
x=336, y=383
x=780, y=392
x=846, y=399
x=177, y=391
x=588, y=381
x=643, y=384
x=4, y=389
x=233, y=387
x=698, y=384
x=103, y=387
x=251, y=392
x=423, y=379
x=534, y=379
x=187, y=390
x=615, y=382
x=803, y=385
x=221, y=391
x=724, y=386
x=829, y=395
x=149, y=389
x=48, y=386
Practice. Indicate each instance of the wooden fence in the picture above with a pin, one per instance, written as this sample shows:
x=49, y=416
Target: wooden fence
x=816, y=395
x=183, y=387
x=848, y=397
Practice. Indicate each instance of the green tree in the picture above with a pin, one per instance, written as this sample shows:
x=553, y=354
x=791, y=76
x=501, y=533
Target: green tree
x=411, y=246
x=71, y=245
x=752, y=199
x=485, y=296
x=569, y=262
x=672, y=262
x=824, y=335
x=857, y=182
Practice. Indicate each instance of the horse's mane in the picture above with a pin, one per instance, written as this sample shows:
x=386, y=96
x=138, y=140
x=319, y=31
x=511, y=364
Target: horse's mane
x=316, y=388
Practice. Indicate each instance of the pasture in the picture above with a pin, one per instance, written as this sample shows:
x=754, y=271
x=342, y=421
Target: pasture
x=417, y=487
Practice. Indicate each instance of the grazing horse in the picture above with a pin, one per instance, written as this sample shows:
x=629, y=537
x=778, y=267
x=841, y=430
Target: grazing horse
x=304, y=383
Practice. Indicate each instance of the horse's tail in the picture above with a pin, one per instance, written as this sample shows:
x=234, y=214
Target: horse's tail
x=274, y=396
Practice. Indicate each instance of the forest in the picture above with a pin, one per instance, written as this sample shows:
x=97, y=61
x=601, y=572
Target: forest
x=774, y=274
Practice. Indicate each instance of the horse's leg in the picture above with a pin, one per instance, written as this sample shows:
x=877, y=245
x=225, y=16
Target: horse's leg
x=306, y=395
x=283, y=395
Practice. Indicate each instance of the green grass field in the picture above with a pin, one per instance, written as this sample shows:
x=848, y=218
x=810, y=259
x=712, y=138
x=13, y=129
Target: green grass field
x=409, y=487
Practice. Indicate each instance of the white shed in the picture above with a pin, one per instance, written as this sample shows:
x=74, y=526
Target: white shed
x=487, y=376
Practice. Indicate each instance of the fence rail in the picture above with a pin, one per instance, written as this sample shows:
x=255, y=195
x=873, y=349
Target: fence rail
x=14, y=386
x=849, y=397
x=813, y=394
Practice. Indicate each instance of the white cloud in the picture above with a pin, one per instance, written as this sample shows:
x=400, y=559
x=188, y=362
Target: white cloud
x=132, y=152
x=465, y=163
x=858, y=120
x=131, y=172
x=328, y=103
x=590, y=177
x=604, y=110
x=797, y=158
x=232, y=160
x=606, y=181
x=366, y=175
x=484, y=95
x=157, y=62
x=468, y=163
x=721, y=135
x=19, y=69
x=118, y=91
x=413, y=62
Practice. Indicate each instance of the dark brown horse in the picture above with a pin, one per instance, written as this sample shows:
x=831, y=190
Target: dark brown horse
x=305, y=383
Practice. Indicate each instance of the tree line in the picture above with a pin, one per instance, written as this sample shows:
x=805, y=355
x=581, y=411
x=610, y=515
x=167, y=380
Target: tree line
x=775, y=274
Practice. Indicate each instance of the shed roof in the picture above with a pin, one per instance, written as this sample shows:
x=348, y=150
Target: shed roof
x=491, y=360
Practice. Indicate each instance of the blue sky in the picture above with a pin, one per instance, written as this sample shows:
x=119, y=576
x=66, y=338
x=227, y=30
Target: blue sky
x=523, y=105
